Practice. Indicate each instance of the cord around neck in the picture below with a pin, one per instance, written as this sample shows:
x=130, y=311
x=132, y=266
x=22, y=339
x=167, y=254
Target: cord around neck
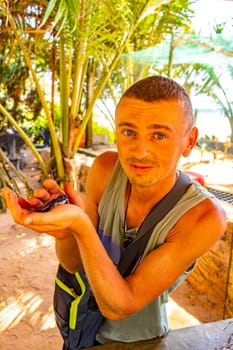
x=127, y=240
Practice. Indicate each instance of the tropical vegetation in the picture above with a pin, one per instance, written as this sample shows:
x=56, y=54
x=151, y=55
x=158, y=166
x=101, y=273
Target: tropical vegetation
x=60, y=58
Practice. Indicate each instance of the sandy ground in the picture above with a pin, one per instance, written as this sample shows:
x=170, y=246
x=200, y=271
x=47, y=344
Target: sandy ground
x=27, y=269
x=28, y=266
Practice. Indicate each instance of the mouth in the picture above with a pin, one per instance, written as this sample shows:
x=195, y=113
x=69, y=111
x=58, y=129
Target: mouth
x=140, y=168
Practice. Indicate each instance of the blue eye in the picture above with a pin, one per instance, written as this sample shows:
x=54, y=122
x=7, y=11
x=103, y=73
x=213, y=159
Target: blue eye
x=159, y=136
x=128, y=132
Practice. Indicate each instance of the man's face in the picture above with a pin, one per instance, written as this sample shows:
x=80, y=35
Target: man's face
x=151, y=137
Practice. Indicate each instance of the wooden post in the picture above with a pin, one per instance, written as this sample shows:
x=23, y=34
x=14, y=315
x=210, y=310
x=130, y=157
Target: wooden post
x=228, y=307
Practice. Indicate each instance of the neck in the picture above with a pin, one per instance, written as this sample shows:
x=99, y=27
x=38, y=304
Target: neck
x=152, y=194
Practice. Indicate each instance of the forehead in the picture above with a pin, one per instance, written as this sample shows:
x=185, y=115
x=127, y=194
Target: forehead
x=137, y=111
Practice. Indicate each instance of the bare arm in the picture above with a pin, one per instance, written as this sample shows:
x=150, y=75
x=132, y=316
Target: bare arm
x=117, y=297
x=68, y=253
x=67, y=248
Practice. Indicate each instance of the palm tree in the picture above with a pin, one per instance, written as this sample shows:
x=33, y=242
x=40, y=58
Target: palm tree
x=173, y=17
x=83, y=35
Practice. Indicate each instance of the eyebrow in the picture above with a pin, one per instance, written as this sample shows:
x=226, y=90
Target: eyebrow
x=149, y=127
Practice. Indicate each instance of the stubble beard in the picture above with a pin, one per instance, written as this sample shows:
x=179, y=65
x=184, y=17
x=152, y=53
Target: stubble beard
x=139, y=181
x=143, y=180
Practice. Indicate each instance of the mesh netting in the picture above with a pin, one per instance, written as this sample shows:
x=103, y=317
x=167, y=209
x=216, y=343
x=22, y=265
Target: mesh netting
x=189, y=49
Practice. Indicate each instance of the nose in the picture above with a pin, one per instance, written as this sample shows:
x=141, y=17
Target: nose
x=140, y=146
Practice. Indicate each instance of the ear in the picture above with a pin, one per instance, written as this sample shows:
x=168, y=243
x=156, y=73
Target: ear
x=191, y=141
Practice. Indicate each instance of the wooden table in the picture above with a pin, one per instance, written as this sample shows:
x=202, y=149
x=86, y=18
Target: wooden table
x=210, y=336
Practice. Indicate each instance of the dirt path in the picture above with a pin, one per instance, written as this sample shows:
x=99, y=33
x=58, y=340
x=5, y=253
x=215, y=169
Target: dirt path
x=27, y=269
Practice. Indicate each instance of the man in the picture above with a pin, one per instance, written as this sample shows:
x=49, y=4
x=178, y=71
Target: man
x=154, y=128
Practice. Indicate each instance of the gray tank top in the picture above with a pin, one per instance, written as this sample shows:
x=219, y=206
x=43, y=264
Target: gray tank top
x=151, y=321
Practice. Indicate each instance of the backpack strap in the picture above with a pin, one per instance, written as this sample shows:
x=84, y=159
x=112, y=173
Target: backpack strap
x=134, y=251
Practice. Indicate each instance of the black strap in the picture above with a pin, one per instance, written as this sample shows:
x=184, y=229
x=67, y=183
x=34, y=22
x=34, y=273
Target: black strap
x=135, y=249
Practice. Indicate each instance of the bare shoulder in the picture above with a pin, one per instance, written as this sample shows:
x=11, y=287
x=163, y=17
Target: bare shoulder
x=102, y=167
x=106, y=161
x=210, y=209
x=202, y=225
x=99, y=175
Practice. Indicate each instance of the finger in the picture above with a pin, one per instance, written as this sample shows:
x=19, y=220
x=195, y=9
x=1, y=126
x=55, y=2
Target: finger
x=4, y=194
x=24, y=203
x=41, y=194
x=32, y=204
x=70, y=191
x=35, y=202
x=12, y=203
x=53, y=187
x=74, y=196
x=50, y=191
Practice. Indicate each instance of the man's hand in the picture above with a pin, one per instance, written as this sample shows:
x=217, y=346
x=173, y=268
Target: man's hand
x=56, y=222
x=50, y=195
x=74, y=196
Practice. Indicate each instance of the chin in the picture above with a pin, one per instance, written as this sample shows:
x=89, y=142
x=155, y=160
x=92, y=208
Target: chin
x=140, y=182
